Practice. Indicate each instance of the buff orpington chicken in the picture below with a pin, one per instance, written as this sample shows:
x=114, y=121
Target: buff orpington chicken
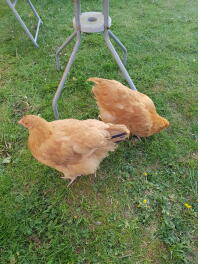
x=73, y=147
x=120, y=105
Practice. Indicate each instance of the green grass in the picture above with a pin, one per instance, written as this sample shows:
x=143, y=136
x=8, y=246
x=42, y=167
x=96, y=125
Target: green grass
x=102, y=220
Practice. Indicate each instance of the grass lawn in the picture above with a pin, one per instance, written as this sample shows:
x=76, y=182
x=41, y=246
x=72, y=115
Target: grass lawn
x=134, y=211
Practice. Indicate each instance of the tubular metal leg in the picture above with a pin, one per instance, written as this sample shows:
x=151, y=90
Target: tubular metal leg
x=38, y=17
x=64, y=77
x=33, y=9
x=116, y=39
x=118, y=60
x=67, y=41
x=29, y=34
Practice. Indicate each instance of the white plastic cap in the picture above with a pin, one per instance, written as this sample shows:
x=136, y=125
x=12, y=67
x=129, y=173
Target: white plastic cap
x=92, y=22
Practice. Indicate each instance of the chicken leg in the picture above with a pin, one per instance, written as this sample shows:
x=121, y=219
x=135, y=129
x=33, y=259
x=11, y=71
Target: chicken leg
x=71, y=180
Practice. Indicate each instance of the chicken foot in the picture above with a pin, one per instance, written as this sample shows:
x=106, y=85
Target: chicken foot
x=139, y=138
x=134, y=139
x=71, y=180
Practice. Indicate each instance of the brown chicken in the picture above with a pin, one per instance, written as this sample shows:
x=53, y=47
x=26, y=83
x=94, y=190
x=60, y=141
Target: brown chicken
x=120, y=105
x=73, y=147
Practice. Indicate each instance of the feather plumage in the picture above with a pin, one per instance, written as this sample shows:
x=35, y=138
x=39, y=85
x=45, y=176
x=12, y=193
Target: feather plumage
x=73, y=147
x=120, y=105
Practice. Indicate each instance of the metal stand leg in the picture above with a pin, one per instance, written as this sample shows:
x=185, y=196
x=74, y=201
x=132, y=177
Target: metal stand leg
x=118, y=60
x=77, y=33
x=107, y=34
x=33, y=9
x=12, y=7
x=116, y=39
x=67, y=69
x=67, y=41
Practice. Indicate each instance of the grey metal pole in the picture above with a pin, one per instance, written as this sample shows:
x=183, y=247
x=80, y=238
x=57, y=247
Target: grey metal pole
x=37, y=30
x=14, y=3
x=106, y=13
x=116, y=39
x=39, y=19
x=12, y=7
x=64, y=77
x=107, y=34
x=111, y=47
x=118, y=60
x=71, y=59
x=77, y=13
x=34, y=10
x=22, y=23
x=67, y=41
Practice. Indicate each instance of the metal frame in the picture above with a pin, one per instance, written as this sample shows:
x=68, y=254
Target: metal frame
x=107, y=34
x=29, y=34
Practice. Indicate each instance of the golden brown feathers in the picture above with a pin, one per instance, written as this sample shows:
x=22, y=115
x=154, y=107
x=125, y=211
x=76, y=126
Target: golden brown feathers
x=120, y=105
x=74, y=147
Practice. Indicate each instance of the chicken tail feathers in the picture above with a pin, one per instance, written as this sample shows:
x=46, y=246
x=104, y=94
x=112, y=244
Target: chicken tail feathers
x=118, y=132
x=119, y=137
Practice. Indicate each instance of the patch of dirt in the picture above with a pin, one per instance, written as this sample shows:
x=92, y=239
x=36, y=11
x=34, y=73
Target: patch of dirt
x=192, y=155
x=5, y=148
x=22, y=106
x=35, y=240
x=155, y=249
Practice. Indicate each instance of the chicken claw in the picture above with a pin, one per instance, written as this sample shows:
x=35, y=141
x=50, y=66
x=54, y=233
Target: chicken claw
x=72, y=181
